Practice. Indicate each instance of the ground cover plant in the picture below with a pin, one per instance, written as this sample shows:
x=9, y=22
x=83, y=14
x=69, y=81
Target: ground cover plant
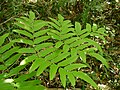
x=53, y=47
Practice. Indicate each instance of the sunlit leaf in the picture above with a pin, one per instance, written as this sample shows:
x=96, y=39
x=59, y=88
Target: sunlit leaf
x=102, y=31
x=40, y=33
x=73, y=52
x=28, y=59
x=58, y=44
x=26, y=50
x=23, y=32
x=38, y=24
x=29, y=83
x=25, y=21
x=25, y=41
x=6, y=47
x=53, y=55
x=88, y=27
x=41, y=39
x=61, y=57
x=99, y=57
x=55, y=21
x=82, y=56
x=54, y=36
x=12, y=59
x=77, y=27
x=42, y=67
x=94, y=27
x=66, y=48
x=65, y=36
x=31, y=15
x=65, y=30
x=82, y=32
x=67, y=23
x=83, y=46
x=77, y=43
x=94, y=44
x=63, y=77
x=71, y=78
x=61, y=18
x=3, y=67
x=54, y=25
x=53, y=70
x=75, y=66
x=85, y=77
x=25, y=77
x=84, y=35
x=68, y=61
x=2, y=38
x=42, y=46
x=16, y=70
x=23, y=26
x=46, y=52
x=36, y=64
x=32, y=87
x=6, y=86
x=8, y=53
x=68, y=41
x=55, y=32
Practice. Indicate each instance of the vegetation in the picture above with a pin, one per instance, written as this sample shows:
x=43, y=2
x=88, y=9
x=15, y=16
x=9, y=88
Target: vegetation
x=39, y=51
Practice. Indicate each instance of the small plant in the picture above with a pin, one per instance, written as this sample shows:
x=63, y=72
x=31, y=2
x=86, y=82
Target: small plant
x=55, y=46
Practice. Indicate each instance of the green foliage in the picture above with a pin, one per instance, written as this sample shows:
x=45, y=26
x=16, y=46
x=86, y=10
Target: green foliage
x=55, y=45
x=8, y=59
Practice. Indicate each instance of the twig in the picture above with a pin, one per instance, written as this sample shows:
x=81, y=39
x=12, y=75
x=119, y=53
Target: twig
x=6, y=20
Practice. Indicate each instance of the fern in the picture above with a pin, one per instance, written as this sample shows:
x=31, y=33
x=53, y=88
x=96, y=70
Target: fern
x=8, y=59
x=73, y=43
x=55, y=44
